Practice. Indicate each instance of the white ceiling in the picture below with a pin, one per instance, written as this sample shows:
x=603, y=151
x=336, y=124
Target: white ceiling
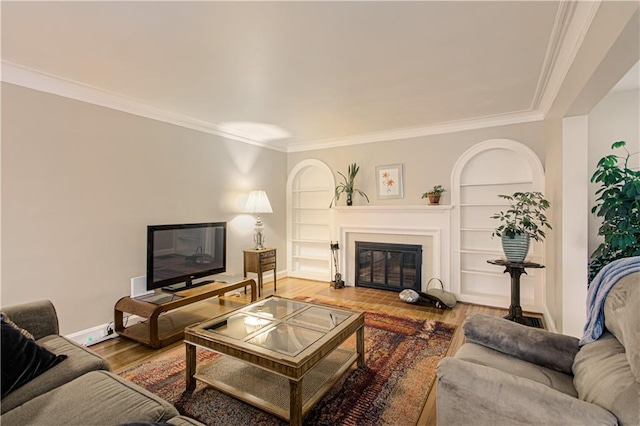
x=325, y=73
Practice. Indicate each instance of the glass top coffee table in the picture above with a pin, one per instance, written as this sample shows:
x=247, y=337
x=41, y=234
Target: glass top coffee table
x=274, y=342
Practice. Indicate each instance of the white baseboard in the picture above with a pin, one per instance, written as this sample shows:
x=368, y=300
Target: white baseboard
x=267, y=277
x=100, y=333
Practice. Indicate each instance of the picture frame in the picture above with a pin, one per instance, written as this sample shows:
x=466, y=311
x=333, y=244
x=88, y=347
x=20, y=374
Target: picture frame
x=389, y=182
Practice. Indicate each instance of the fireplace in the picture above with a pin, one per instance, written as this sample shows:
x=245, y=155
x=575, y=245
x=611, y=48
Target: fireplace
x=388, y=266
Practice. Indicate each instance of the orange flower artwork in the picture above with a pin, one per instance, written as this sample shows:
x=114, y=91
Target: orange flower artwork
x=389, y=181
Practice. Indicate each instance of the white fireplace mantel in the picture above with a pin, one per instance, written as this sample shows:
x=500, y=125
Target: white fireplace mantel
x=415, y=224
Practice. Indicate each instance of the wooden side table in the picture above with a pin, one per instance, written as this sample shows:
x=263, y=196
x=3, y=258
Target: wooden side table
x=515, y=269
x=260, y=261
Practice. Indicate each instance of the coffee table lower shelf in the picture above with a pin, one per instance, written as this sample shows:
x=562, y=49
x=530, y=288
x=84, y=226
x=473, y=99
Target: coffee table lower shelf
x=269, y=391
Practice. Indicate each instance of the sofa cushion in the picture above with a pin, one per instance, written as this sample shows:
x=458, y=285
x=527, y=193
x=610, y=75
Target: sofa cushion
x=22, y=359
x=80, y=360
x=621, y=317
x=602, y=376
x=478, y=354
x=98, y=397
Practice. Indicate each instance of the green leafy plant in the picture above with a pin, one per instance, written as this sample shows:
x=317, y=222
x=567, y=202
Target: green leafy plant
x=347, y=185
x=438, y=189
x=524, y=216
x=618, y=204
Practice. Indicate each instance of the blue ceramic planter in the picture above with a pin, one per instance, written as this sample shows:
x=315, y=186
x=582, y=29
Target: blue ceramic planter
x=516, y=248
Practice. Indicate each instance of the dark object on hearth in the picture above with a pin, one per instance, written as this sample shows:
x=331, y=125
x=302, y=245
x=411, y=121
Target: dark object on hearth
x=439, y=298
x=337, y=282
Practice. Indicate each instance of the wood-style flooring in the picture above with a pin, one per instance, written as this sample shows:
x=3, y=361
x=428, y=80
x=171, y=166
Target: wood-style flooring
x=122, y=353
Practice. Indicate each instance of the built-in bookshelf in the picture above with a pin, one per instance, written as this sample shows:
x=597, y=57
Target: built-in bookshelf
x=310, y=188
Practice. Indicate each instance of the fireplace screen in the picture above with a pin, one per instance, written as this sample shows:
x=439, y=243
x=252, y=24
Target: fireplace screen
x=388, y=266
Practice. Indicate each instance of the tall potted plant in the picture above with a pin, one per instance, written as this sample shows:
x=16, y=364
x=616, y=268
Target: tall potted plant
x=347, y=186
x=618, y=204
x=523, y=220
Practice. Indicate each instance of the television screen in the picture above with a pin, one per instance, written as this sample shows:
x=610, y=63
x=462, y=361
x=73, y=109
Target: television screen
x=178, y=254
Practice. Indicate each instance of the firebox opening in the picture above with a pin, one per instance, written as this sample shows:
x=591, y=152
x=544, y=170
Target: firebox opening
x=387, y=266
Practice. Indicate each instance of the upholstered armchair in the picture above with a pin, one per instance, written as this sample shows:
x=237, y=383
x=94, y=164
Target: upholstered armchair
x=510, y=374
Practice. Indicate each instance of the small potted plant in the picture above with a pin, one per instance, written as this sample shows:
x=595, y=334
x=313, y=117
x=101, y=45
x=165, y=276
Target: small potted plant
x=523, y=220
x=347, y=186
x=434, y=194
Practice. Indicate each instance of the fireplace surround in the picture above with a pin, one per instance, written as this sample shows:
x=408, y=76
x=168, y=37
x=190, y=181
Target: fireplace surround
x=428, y=226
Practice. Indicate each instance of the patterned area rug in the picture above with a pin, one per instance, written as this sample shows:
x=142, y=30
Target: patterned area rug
x=401, y=355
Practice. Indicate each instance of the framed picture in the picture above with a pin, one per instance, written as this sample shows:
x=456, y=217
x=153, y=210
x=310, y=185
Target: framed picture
x=389, y=181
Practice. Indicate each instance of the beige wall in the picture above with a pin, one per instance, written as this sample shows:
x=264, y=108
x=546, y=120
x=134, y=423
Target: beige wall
x=427, y=161
x=80, y=183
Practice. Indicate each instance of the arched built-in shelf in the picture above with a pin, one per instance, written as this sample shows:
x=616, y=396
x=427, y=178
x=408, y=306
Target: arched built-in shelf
x=498, y=166
x=310, y=188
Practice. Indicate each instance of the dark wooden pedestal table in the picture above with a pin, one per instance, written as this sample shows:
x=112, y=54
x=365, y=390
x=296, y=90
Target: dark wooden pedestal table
x=515, y=270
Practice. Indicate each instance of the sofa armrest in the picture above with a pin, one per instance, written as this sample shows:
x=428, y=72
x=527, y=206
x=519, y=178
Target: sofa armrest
x=38, y=318
x=541, y=347
x=469, y=393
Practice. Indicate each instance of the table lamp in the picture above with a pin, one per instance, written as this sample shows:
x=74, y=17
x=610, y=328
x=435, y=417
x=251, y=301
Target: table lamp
x=258, y=202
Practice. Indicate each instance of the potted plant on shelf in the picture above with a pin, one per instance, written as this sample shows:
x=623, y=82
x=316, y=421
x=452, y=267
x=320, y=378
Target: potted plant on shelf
x=523, y=220
x=618, y=204
x=347, y=186
x=434, y=194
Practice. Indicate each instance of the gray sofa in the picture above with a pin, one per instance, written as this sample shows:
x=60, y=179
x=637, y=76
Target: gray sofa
x=79, y=390
x=509, y=374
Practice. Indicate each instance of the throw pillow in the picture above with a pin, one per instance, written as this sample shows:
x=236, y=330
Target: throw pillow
x=22, y=359
x=6, y=319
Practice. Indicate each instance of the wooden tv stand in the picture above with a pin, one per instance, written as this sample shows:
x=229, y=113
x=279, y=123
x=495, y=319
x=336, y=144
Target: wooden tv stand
x=157, y=335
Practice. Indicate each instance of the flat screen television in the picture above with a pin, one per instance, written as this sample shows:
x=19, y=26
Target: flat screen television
x=179, y=254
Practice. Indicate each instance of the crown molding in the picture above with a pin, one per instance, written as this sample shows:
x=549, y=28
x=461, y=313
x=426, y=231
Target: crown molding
x=565, y=12
x=36, y=80
x=414, y=132
x=576, y=19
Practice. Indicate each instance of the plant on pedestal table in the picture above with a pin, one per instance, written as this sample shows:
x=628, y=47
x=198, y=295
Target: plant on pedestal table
x=523, y=220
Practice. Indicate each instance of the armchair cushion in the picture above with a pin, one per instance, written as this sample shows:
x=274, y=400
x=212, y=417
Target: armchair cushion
x=472, y=394
x=603, y=377
x=554, y=351
x=622, y=317
x=488, y=357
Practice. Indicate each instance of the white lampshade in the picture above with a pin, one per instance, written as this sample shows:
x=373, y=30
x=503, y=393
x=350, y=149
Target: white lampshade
x=258, y=202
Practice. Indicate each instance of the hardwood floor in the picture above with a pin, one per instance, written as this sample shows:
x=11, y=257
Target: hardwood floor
x=122, y=353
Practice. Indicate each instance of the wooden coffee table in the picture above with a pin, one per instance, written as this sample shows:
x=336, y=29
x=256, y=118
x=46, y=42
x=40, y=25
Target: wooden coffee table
x=274, y=342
